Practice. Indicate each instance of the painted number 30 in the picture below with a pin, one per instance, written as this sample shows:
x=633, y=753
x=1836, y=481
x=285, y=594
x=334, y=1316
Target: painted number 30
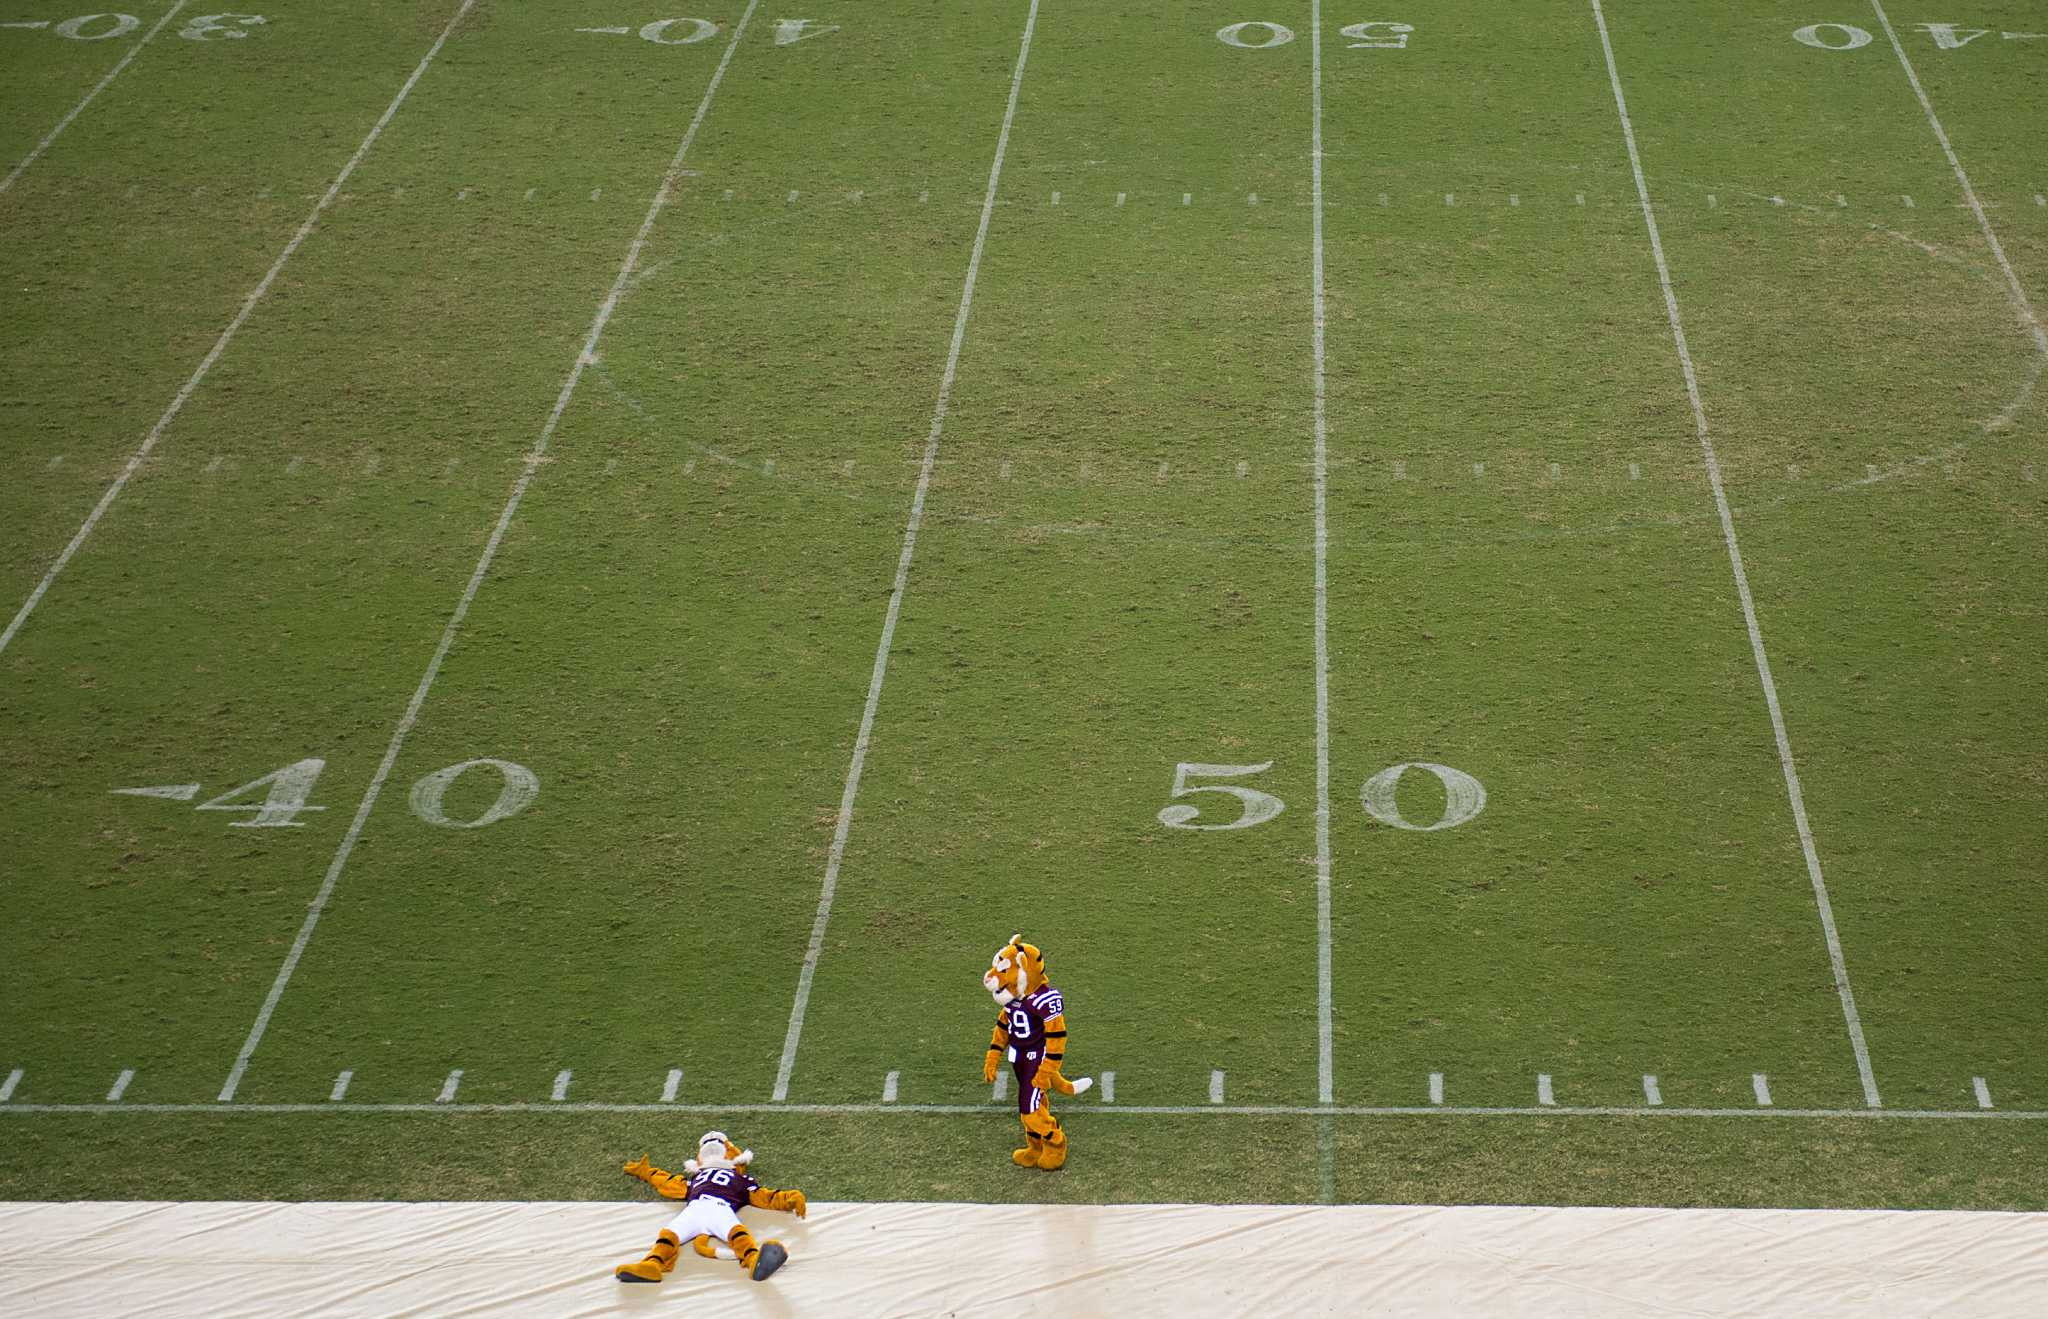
x=1464, y=797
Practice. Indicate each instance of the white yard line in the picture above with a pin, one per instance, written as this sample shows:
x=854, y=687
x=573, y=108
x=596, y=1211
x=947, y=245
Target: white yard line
x=986, y=1110
x=98, y=87
x=924, y=478
x=2021, y=306
x=1839, y=965
x=220, y=345
x=534, y=458
x=1326, y=1067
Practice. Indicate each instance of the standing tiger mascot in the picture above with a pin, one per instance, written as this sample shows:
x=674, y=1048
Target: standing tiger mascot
x=1031, y=1031
x=713, y=1187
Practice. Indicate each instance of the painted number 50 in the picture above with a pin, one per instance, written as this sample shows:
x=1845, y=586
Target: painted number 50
x=1464, y=797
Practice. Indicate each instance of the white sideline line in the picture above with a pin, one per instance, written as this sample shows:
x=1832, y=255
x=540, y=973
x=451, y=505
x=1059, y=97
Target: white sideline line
x=1839, y=965
x=1436, y=1087
x=910, y=529
x=670, y=1086
x=98, y=87
x=1108, y=1083
x=1544, y=1096
x=984, y=1110
x=1651, y=1094
x=449, y=1086
x=1976, y=1083
x=1216, y=1087
x=1761, y=1084
x=120, y=1085
x=220, y=345
x=2020, y=304
x=534, y=458
x=561, y=1090
x=14, y=1079
x=889, y=1087
x=340, y=1087
x=1326, y=1067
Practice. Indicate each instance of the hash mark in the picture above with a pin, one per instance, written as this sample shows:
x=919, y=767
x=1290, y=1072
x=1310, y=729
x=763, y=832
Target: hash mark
x=1908, y=201
x=1002, y=1083
x=292, y=468
x=7, y=1089
x=768, y=467
x=1792, y=471
x=120, y=1085
x=340, y=1087
x=1400, y=469
x=1543, y=1093
x=1976, y=1083
x=1120, y=199
x=1450, y=199
x=1870, y=471
x=1055, y=198
x=370, y=467
x=889, y=1087
x=1108, y=1083
x=728, y=195
x=669, y=1087
x=1244, y=469
x=1383, y=199
x=214, y=466
x=1216, y=1087
x=1840, y=200
x=1478, y=471
x=453, y=463
x=1712, y=201
x=846, y=468
x=611, y=466
x=449, y=1086
x=1252, y=200
x=54, y=463
x=1758, y=1083
x=792, y=195
x=1187, y=199
x=561, y=1090
x=689, y=467
x=1651, y=1094
x=1635, y=471
x=1578, y=199
x=2027, y=472
x=1003, y=472
x=1436, y=1087
x=1514, y=200
x=530, y=192
x=1162, y=472
x=1556, y=472
x=596, y=193
x=923, y=197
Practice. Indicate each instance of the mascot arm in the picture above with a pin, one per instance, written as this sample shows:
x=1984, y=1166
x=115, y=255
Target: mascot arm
x=994, y=1057
x=1048, y=1075
x=788, y=1202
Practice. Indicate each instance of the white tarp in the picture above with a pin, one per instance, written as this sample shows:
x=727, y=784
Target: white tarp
x=106, y=1259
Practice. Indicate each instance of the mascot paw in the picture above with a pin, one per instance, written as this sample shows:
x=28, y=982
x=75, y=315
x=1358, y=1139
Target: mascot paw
x=1024, y=1158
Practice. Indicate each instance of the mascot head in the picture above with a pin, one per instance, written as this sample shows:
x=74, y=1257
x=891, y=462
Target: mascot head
x=715, y=1151
x=1017, y=969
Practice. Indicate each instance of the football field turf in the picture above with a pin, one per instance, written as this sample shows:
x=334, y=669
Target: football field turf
x=1472, y=574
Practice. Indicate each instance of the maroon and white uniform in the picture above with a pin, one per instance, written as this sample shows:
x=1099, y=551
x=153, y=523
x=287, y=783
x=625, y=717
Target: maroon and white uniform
x=712, y=1206
x=1023, y=1026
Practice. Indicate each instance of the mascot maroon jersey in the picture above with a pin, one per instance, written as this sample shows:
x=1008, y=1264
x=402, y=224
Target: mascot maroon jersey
x=727, y=1184
x=1023, y=1021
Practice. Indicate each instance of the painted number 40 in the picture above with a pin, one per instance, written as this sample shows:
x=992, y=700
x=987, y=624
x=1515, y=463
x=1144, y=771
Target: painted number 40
x=1463, y=796
x=285, y=792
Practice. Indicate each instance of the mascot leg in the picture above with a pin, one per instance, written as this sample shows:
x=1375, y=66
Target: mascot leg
x=658, y=1262
x=1049, y=1142
x=757, y=1261
x=1033, y=1144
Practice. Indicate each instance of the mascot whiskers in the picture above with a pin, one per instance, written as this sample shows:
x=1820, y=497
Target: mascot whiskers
x=1031, y=1035
x=713, y=1187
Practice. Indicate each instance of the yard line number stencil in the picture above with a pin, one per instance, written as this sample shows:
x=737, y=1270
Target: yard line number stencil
x=1464, y=796
x=1256, y=34
x=690, y=31
x=104, y=27
x=288, y=788
x=1945, y=36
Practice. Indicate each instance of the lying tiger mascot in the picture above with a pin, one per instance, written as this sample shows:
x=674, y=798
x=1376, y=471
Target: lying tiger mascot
x=1031, y=1031
x=713, y=1187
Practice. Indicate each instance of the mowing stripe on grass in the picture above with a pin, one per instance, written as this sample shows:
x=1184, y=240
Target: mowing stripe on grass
x=989, y=1110
x=910, y=529
x=98, y=87
x=220, y=345
x=1756, y=640
x=2020, y=304
x=584, y=357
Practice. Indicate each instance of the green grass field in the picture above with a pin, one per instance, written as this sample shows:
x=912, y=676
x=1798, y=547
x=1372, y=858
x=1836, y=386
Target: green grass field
x=993, y=413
